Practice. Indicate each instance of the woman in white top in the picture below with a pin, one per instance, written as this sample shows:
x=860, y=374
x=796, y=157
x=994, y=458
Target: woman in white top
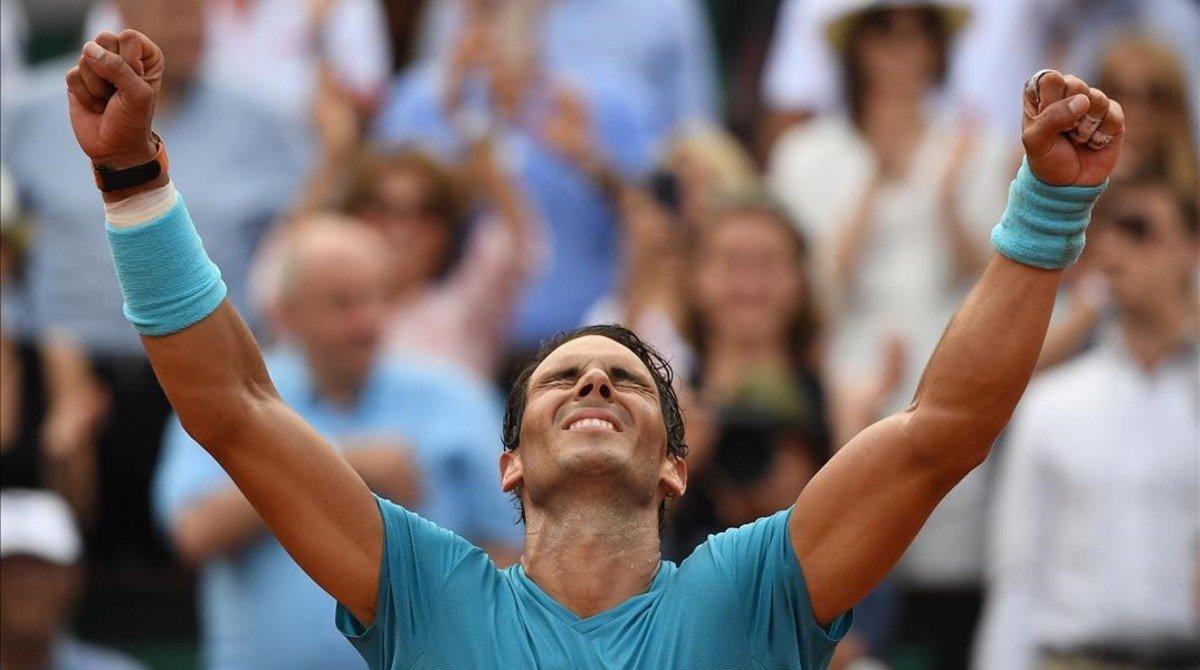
x=899, y=220
x=898, y=216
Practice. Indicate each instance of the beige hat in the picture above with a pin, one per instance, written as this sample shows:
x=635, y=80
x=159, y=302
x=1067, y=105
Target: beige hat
x=841, y=15
x=40, y=524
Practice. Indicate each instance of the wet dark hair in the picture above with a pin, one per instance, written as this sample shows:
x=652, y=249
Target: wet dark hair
x=660, y=370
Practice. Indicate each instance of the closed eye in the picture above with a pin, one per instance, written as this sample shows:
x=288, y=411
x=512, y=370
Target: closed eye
x=627, y=378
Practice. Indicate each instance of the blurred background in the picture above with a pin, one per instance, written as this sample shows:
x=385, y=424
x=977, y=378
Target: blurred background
x=787, y=197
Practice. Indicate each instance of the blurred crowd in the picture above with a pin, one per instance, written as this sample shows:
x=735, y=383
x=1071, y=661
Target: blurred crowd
x=788, y=198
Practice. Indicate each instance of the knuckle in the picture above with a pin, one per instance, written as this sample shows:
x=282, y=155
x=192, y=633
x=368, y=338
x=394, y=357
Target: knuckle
x=1053, y=77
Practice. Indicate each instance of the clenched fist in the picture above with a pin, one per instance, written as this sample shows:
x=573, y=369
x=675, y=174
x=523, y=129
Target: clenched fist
x=111, y=94
x=1072, y=132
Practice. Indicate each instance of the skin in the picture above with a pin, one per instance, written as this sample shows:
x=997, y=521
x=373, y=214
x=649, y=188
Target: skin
x=882, y=485
x=36, y=598
x=1150, y=278
x=747, y=283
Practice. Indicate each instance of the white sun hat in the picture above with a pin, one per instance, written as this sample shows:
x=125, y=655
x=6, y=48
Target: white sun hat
x=40, y=524
x=840, y=15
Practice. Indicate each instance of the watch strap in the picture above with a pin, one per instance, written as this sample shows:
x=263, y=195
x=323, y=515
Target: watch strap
x=109, y=179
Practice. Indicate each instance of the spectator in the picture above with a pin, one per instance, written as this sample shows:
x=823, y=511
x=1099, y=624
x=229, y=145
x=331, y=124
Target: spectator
x=901, y=198
x=752, y=318
x=397, y=424
x=273, y=51
x=501, y=82
x=241, y=167
x=801, y=77
x=455, y=276
x=50, y=404
x=704, y=168
x=1094, y=561
x=40, y=580
x=1150, y=82
x=661, y=49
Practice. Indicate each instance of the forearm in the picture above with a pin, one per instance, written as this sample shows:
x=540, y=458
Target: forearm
x=217, y=525
x=987, y=355
x=852, y=237
x=984, y=360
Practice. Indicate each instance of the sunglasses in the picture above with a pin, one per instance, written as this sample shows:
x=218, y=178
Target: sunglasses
x=1154, y=94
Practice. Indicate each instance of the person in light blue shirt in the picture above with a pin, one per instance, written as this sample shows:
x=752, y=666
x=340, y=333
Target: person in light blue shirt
x=516, y=93
x=662, y=48
x=395, y=421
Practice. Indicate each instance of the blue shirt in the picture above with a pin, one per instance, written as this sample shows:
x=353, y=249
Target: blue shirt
x=739, y=601
x=662, y=48
x=236, y=164
x=258, y=609
x=573, y=217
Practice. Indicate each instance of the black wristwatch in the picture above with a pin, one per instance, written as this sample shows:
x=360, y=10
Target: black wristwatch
x=109, y=180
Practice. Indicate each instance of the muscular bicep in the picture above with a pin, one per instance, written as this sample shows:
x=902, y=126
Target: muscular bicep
x=310, y=498
x=857, y=516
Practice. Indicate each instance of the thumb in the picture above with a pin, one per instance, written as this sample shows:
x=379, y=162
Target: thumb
x=1058, y=118
x=112, y=68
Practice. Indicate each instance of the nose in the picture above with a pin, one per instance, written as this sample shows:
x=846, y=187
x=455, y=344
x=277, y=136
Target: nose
x=594, y=381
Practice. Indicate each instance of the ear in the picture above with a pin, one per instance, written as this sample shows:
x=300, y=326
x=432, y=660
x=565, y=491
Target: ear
x=512, y=474
x=673, y=477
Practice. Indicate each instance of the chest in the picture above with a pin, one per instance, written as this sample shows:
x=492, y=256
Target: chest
x=658, y=635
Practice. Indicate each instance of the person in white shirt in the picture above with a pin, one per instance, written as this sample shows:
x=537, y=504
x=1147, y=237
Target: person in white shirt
x=1001, y=44
x=1096, y=536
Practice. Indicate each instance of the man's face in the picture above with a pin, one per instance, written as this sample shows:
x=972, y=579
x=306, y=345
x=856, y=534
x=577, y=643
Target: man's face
x=338, y=308
x=1143, y=249
x=36, y=597
x=177, y=27
x=593, y=419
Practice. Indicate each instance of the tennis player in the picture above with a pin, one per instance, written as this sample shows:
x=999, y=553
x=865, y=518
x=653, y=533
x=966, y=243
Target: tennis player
x=593, y=436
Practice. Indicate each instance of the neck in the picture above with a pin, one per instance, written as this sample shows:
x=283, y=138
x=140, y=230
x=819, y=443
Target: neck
x=591, y=556
x=20, y=654
x=894, y=106
x=1154, y=334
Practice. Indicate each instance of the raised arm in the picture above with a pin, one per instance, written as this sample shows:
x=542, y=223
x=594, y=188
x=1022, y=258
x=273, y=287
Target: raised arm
x=859, y=514
x=204, y=356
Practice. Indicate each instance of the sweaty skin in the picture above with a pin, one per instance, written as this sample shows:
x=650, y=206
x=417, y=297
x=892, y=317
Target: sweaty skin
x=849, y=526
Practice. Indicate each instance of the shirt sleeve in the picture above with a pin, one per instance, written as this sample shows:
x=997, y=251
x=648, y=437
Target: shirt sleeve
x=418, y=557
x=359, y=40
x=762, y=574
x=1006, y=640
x=692, y=82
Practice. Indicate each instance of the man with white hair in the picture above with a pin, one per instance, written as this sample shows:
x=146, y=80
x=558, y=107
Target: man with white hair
x=40, y=583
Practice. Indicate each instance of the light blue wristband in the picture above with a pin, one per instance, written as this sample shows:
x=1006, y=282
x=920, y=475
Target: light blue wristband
x=1044, y=225
x=167, y=279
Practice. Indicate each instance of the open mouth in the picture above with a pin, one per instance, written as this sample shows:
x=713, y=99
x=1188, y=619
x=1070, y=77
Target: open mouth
x=593, y=418
x=591, y=424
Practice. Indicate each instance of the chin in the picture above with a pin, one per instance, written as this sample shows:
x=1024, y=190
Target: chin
x=595, y=453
